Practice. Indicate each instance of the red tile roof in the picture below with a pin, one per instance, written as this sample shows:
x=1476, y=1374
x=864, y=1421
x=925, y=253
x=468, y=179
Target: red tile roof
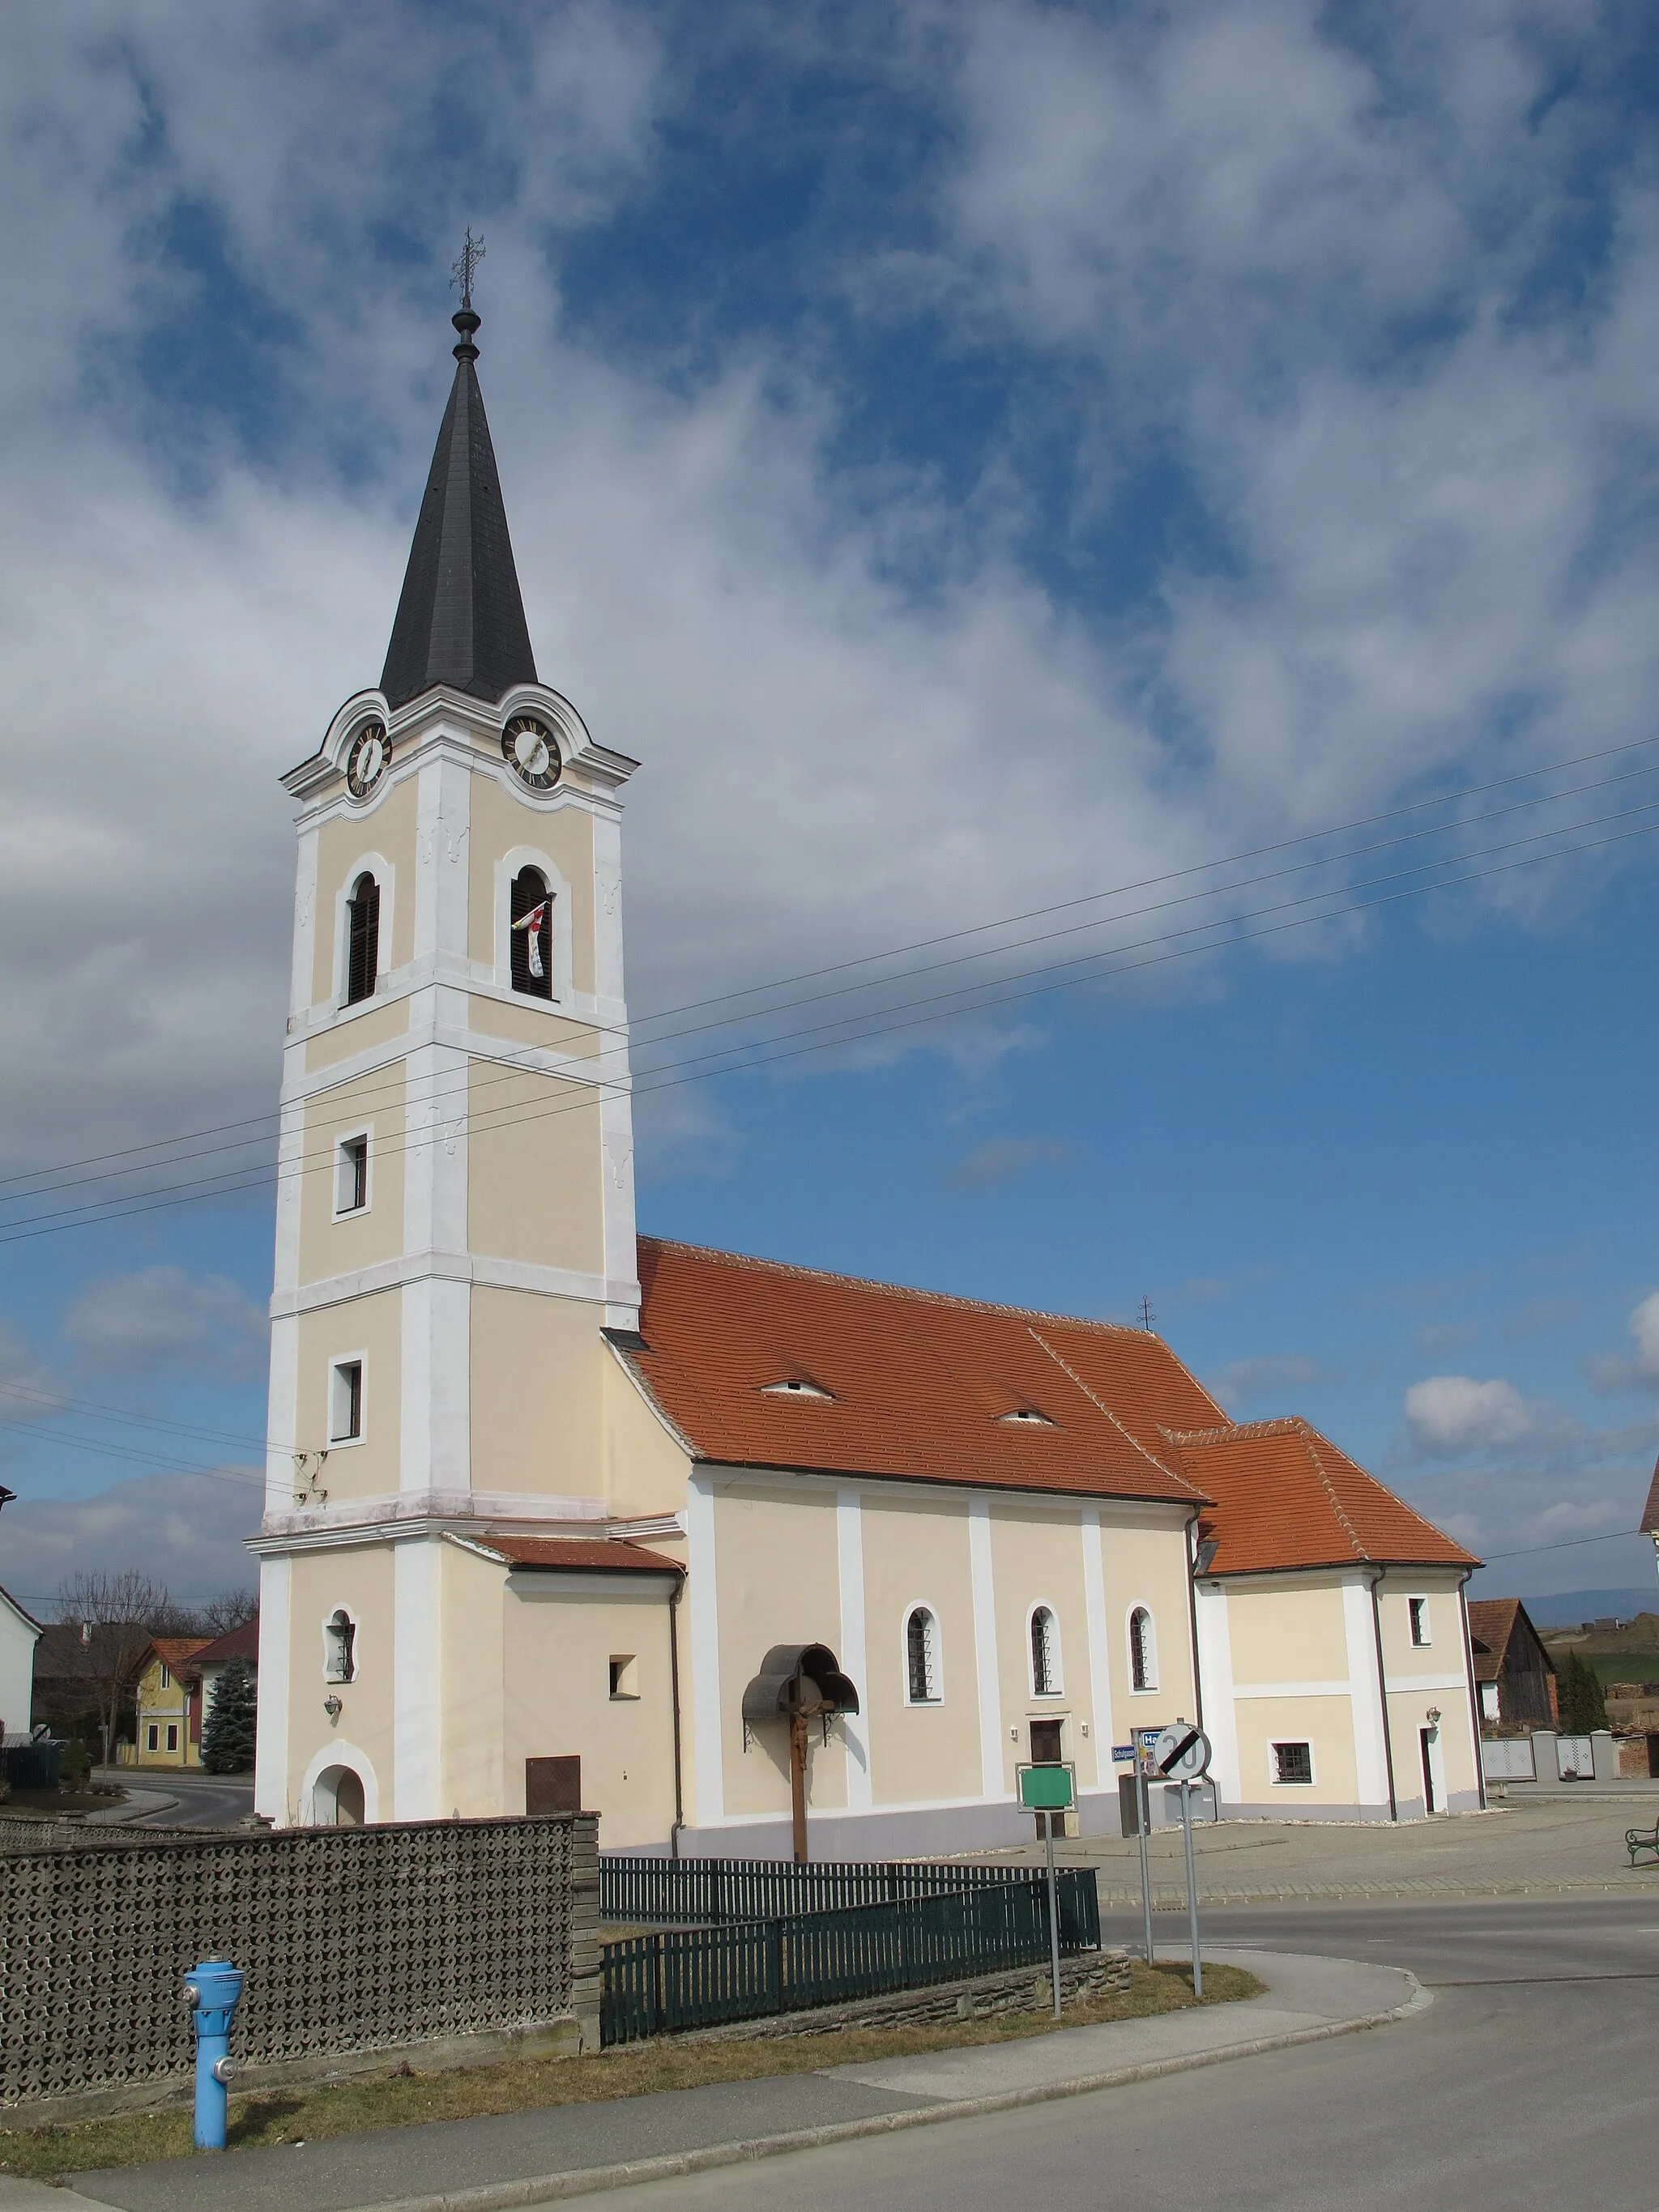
x=1285, y=1496
x=602, y=1555
x=175, y=1652
x=918, y=1384
x=242, y=1642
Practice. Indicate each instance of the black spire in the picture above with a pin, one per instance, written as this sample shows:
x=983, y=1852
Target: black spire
x=460, y=620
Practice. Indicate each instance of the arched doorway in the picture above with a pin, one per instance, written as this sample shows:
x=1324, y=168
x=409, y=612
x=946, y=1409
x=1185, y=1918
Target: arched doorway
x=338, y=1798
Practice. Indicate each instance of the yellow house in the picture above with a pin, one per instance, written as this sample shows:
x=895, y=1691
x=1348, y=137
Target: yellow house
x=723, y=1549
x=168, y=1704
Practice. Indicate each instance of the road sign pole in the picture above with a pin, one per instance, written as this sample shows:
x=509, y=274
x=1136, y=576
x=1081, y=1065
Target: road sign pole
x=1192, y=1887
x=1054, y=1917
x=1143, y=1806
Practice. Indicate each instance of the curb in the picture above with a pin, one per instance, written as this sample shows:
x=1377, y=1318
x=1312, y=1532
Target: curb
x=586, y=2181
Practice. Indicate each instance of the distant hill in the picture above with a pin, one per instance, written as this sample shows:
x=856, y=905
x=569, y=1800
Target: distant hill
x=1568, y=1608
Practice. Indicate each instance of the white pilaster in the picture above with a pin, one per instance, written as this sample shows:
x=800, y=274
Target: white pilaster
x=986, y=1669
x=1215, y=1674
x=417, y=1677
x=271, y=1750
x=616, y=1100
x=282, y=1414
x=305, y=925
x=704, y=1603
x=849, y=1554
x=1370, y=1752
x=443, y=859
x=1100, y=1672
x=435, y=1443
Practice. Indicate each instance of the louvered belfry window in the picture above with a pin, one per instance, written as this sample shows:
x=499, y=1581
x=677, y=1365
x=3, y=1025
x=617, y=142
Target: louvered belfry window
x=533, y=947
x=363, y=944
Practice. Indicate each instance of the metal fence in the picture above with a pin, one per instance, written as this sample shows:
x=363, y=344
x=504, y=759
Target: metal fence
x=700, y=1977
x=708, y=1891
x=352, y=1939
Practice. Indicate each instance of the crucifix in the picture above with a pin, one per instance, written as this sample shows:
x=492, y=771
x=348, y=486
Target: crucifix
x=472, y=252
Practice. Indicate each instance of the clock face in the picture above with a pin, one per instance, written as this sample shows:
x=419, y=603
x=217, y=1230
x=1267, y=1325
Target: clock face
x=530, y=751
x=368, y=757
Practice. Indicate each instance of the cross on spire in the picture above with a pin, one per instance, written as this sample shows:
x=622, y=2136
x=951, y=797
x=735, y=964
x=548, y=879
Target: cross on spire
x=472, y=252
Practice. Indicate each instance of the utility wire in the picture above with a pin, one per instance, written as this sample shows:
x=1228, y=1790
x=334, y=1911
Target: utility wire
x=43, y=1176
x=471, y=1086
x=121, y=1209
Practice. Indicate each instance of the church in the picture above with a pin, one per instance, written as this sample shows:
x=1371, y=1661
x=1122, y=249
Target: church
x=745, y=1557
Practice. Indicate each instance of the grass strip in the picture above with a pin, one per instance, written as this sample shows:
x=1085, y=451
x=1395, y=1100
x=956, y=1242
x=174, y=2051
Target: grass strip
x=403, y=2098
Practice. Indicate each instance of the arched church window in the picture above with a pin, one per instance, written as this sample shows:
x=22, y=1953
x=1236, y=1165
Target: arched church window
x=1045, y=1653
x=1143, y=1650
x=532, y=934
x=363, y=939
x=922, y=1656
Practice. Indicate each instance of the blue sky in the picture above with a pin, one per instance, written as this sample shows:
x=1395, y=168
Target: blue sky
x=976, y=457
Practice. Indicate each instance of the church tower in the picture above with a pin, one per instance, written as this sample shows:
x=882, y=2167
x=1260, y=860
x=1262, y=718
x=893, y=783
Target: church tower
x=455, y=1214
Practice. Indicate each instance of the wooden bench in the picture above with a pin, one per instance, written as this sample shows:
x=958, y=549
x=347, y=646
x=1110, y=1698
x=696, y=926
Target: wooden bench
x=1641, y=1839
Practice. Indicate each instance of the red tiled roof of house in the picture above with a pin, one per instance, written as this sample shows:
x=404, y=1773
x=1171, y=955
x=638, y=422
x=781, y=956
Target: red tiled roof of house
x=1492, y=1624
x=904, y=1382
x=1285, y=1496
x=242, y=1642
x=175, y=1652
x=604, y=1555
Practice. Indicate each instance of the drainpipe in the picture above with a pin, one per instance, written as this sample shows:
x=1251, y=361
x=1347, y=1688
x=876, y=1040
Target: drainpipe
x=674, y=1682
x=1382, y=1694
x=1468, y=1682
x=1192, y=1614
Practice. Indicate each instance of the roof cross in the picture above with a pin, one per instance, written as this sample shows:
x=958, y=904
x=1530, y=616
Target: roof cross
x=472, y=252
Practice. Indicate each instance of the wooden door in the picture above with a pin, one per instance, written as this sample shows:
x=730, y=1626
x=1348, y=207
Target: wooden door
x=552, y=1785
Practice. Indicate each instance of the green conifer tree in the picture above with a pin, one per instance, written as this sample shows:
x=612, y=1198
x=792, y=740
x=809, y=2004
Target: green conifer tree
x=228, y=1734
x=1584, y=1706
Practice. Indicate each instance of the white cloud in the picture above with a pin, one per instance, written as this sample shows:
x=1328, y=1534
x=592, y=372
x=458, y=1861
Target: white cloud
x=183, y=1530
x=160, y=1319
x=1449, y=1415
x=1002, y=1158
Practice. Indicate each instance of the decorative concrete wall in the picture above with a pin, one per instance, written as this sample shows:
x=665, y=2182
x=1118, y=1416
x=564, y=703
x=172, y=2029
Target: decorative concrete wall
x=352, y=1940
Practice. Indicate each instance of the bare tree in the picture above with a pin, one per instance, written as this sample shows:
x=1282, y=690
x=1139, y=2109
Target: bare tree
x=118, y=1615
x=231, y=1608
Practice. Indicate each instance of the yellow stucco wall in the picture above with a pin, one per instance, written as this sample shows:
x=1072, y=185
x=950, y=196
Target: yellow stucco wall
x=915, y=1553
x=1288, y=1631
x=537, y=1380
x=1037, y=1559
x=371, y=1326
x=503, y=824
x=389, y=830
x=533, y=1169
x=556, y=1649
x=362, y=1028
x=331, y=1247
x=779, y=1583
x=1144, y=1562
x=646, y=1470
x=360, y=1579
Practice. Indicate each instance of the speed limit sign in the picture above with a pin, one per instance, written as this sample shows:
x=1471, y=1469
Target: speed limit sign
x=1182, y=1753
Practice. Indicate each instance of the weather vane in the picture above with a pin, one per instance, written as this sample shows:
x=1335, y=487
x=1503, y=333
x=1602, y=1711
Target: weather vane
x=472, y=252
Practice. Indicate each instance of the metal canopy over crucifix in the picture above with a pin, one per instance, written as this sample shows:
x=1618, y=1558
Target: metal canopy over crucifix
x=799, y=1683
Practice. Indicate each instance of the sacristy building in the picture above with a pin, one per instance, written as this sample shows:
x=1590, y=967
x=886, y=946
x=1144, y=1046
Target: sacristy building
x=558, y=1514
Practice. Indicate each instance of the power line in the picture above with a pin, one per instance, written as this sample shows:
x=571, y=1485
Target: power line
x=1569, y=1544
x=47, y=1177
x=195, y=1191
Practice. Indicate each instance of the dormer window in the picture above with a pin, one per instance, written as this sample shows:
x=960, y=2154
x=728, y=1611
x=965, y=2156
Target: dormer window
x=1026, y=1416
x=531, y=934
x=363, y=938
x=797, y=1388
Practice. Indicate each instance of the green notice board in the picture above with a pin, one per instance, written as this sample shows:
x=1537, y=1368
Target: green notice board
x=1046, y=1788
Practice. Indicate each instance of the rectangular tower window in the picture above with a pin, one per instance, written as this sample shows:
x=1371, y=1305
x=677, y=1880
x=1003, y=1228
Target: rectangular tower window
x=351, y=1175
x=624, y=1675
x=346, y=1401
x=1418, y=1609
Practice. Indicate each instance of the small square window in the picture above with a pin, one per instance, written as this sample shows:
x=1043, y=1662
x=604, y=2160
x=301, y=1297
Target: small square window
x=172, y=1735
x=624, y=1674
x=346, y=1402
x=1293, y=1762
x=1418, y=1607
x=351, y=1175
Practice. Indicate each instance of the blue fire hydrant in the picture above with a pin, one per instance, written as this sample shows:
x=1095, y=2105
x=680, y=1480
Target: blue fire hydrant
x=212, y=1991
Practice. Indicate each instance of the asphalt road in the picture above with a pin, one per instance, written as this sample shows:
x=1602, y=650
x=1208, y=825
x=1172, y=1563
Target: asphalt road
x=1530, y=2083
x=196, y=1799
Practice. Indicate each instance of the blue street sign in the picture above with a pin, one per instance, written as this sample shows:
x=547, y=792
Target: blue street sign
x=1123, y=1752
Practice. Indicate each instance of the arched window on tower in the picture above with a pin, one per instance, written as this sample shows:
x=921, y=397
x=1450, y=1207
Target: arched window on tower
x=532, y=934
x=922, y=1656
x=1143, y=1650
x=363, y=938
x=1045, y=1653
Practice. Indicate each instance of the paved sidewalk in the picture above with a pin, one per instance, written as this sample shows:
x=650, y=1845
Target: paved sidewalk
x=1565, y=1844
x=530, y=2158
